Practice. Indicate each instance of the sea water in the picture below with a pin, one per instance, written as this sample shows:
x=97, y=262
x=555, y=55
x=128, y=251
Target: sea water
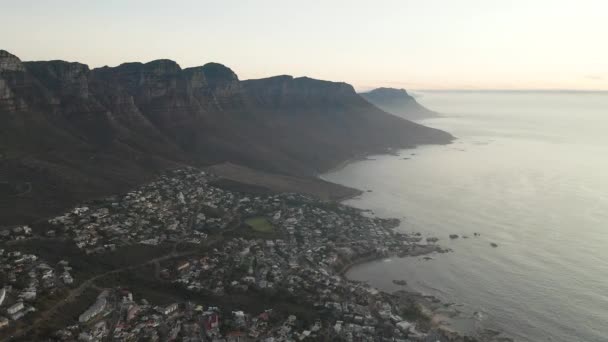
x=529, y=173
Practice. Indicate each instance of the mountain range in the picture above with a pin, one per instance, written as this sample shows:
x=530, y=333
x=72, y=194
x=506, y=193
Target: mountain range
x=68, y=132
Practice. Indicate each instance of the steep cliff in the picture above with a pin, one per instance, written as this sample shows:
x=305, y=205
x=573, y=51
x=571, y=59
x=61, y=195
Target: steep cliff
x=68, y=132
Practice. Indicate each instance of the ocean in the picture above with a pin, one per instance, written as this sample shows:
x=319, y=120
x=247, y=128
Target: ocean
x=528, y=172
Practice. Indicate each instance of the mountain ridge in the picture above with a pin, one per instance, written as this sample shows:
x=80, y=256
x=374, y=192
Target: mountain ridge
x=69, y=132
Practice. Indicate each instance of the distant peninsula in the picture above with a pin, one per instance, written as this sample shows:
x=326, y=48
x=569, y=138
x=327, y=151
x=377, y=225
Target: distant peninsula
x=398, y=102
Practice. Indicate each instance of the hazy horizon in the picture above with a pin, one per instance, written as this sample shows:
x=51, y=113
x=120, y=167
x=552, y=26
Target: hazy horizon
x=471, y=44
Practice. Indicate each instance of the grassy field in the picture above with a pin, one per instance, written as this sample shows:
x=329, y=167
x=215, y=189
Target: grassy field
x=260, y=224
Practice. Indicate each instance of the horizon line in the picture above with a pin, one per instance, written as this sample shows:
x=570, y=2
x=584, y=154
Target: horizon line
x=523, y=90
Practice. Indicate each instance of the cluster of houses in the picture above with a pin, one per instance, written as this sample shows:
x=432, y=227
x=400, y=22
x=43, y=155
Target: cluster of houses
x=363, y=315
x=317, y=242
x=312, y=235
x=27, y=279
x=183, y=206
x=15, y=233
x=299, y=256
x=171, y=208
x=115, y=315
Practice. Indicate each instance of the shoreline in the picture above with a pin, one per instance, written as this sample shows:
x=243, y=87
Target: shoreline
x=359, y=261
x=428, y=308
x=343, y=164
x=389, y=151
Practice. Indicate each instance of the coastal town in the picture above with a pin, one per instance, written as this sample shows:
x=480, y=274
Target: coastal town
x=249, y=267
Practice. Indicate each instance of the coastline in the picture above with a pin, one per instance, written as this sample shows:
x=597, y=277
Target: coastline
x=429, y=307
x=360, y=261
x=343, y=164
x=366, y=156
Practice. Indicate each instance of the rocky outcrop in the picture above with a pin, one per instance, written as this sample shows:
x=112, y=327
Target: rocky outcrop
x=144, y=82
x=224, y=86
x=9, y=66
x=9, y=62
x=64, y=79
x=72, y=132
x=6, y=95
x=398, y=102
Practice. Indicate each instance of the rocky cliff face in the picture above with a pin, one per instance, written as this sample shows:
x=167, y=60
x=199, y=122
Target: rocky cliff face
x=9, y=62
x=224, y=86
x=69, y=132
x=398, y=102
x=12, y=78
x=288, y=92
x=64, y=79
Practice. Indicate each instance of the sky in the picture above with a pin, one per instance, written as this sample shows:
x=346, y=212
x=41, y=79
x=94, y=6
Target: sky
x=423, y=44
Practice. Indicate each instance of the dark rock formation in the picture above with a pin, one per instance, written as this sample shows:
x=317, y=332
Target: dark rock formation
x=74, y=133
x=398, y=102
